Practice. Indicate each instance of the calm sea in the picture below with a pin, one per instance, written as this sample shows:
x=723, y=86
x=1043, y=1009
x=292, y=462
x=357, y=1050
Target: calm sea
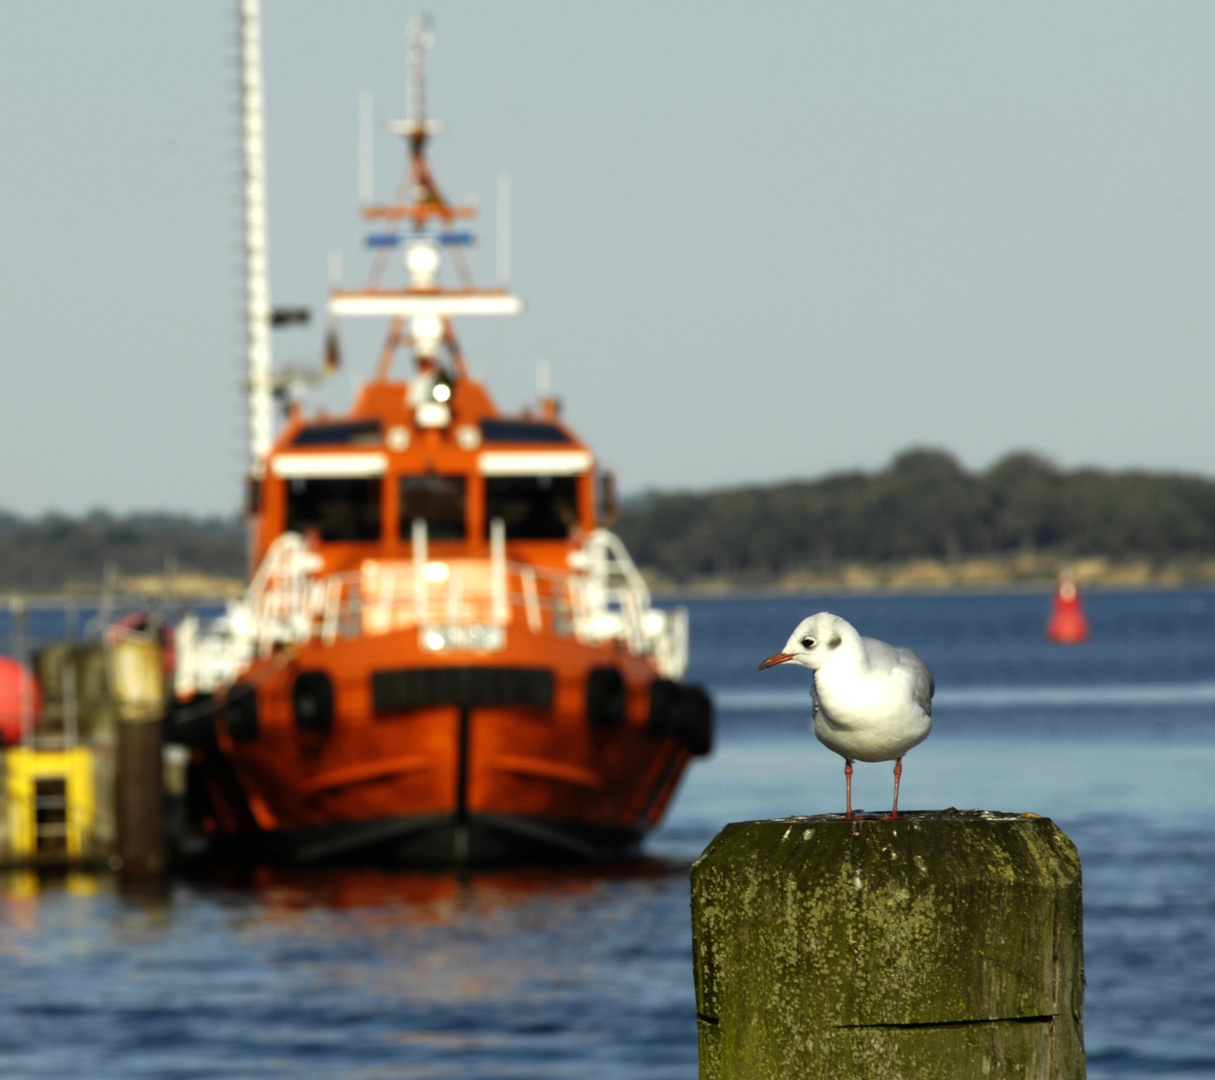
x=588, y=973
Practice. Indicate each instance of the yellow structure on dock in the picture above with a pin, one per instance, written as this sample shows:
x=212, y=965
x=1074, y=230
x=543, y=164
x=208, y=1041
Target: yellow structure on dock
x=89, y=767
x=50, y=799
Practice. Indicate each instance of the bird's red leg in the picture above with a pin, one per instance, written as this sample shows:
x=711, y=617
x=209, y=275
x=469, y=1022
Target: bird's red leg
x=848, y=785
x=898, y=773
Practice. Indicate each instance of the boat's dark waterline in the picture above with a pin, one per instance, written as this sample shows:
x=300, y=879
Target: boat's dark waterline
x=434, y=841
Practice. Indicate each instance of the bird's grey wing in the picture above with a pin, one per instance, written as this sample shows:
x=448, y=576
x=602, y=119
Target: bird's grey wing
x=922, y=682
x=887, y=659
x=815, y=708
x=881, y=657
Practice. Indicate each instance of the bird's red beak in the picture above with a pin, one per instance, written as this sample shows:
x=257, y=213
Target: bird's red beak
x=778, y=658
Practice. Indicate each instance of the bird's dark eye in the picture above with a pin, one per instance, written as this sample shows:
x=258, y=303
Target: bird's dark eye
x=808, y=642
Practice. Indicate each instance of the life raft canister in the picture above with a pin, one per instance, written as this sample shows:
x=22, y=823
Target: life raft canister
x=1067, y=624
x=683, y=711
x=605, y=697
x=312, y=701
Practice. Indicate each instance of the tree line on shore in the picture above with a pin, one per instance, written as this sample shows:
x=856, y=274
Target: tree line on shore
x=924, y=505
x=54, y=552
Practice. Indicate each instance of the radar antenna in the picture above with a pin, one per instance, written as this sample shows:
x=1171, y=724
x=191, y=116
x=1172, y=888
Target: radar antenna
x=419, y=38
x=417, y=127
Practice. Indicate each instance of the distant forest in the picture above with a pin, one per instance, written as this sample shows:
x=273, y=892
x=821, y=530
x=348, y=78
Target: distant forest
x=924, y=505
x=50, y=553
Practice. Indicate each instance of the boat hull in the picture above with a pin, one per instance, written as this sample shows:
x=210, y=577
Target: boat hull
x=370, y=751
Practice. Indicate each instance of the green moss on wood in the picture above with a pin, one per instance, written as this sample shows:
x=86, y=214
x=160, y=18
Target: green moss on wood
x=940, y=945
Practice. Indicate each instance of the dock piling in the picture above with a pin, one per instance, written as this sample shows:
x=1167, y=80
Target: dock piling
x=940, y=945
x=136, y=677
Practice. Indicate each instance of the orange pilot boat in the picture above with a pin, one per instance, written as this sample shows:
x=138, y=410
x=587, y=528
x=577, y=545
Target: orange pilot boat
x=442, y=656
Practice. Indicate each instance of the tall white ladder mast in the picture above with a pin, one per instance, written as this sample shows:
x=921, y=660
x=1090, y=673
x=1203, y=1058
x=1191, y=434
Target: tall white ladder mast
x=257, y=285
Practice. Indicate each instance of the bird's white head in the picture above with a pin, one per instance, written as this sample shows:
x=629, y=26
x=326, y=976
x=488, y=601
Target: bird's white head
x=814, y=641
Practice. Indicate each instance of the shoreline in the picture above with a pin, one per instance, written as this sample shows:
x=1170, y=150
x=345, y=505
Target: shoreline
x=932, y=577
x=1019, y=574
x=759, y=592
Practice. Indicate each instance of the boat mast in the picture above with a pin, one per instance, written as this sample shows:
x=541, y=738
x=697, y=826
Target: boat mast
x=257, y=286
x=422, y=223
x=416, y=128
x=418, y=39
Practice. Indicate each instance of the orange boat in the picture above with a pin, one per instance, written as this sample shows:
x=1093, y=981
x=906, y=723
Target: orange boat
x=443, y=656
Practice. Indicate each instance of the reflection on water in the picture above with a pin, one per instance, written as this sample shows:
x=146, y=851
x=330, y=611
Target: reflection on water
x=555, y=973
x=437, y=891
x=354, y=973
x=587, y=972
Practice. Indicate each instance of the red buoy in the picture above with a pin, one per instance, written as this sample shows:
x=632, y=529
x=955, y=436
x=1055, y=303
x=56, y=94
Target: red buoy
x=20, y=700
x=1067, y=624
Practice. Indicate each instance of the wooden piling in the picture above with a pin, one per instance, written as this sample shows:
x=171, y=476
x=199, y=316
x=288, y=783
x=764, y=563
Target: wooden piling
x=139, y=795
x=945, y=944
x=136, y=678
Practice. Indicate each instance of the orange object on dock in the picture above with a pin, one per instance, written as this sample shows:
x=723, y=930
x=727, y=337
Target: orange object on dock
x=1067, y=624
x=20, y=701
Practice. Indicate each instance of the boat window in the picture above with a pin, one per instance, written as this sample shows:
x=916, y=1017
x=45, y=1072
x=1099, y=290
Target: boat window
x=521, y=431
x=356, y=433
x=338, y=509
x=439, y=500
x=533, y=507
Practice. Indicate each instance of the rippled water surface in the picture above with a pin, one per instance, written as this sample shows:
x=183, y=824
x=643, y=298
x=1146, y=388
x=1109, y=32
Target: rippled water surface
x=581, y=973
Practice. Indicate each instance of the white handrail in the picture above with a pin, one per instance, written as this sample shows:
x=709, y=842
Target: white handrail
x=421, y=597
x=497, y=562
x=600, y=599
x=531, y=599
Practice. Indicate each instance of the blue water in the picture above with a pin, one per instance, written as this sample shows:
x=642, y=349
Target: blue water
x=363, y=974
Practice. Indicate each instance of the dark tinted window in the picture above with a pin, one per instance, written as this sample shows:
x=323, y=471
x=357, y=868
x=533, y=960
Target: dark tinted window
x=359, y=432
x=346, y=509
x=437, y=499
x=521, y=431
x=533, y=507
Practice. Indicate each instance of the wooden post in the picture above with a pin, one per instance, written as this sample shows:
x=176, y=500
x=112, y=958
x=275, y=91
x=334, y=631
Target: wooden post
x=139, y=795
x=136, y=678
x=945, y=944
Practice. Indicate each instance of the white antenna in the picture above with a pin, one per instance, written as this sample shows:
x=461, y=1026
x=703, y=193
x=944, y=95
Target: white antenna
x=503, y=245
x=335, y=268
x=366, y=149
x=418, y=39
x=544, y=379
x=257, y=285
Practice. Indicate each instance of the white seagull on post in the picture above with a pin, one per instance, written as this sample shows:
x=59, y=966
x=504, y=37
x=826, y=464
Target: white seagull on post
x=872, y=702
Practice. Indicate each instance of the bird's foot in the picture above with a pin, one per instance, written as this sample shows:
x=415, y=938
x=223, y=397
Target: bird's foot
x=894, y=815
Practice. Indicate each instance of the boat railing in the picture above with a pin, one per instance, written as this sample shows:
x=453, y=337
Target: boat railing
x=455, y=604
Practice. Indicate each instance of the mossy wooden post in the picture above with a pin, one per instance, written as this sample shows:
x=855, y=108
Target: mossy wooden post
x=940, y=945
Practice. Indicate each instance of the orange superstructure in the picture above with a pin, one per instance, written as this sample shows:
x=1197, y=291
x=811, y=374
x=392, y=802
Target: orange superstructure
x=443, y=655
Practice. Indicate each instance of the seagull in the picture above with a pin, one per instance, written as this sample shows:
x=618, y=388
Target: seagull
x=872, y=702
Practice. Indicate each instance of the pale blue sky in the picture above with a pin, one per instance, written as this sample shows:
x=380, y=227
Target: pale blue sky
x=756, y=241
